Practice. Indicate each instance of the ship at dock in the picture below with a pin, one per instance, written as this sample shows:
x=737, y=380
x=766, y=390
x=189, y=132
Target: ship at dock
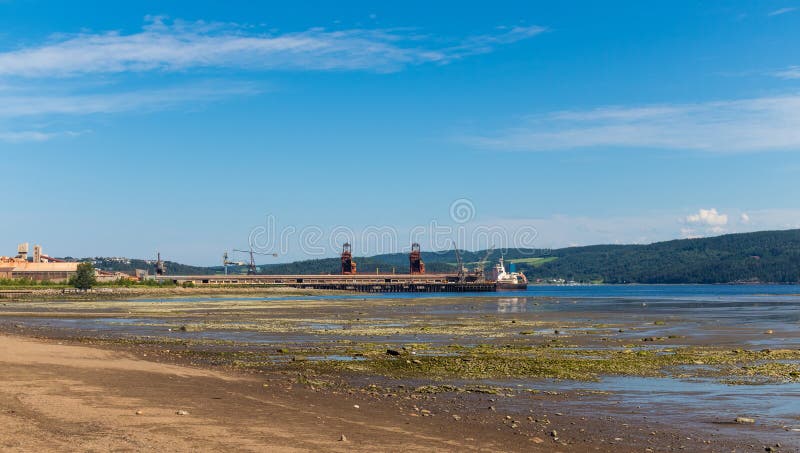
x=511, y=280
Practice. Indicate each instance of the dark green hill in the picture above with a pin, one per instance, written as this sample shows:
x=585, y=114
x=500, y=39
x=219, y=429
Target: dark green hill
x=767, y=256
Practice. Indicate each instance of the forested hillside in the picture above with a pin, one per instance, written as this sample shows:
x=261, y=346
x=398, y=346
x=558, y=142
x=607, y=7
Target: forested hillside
x=768, y=256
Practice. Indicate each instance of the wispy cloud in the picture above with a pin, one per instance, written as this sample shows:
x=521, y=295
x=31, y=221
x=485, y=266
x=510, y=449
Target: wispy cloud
x=22, y=103
x=179, y=46
x=21, y=110
x=24, y=136
x=759, y=124
x=792, y=72
x=780, y=11
x=83, y=74
x=36, y=135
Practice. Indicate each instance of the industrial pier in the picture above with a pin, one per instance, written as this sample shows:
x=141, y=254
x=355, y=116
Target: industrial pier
x=416, y=281
x=372, y=283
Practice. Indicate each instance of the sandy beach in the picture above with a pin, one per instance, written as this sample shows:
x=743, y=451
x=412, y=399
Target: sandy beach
x=57, y=397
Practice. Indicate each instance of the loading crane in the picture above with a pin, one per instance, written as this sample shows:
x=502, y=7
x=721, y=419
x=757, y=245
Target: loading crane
x=251, y=267
x=480, y=269
x=226, y=262
x=462, y=276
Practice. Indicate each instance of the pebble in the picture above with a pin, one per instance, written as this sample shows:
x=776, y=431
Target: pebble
x=769, y=332
x=342, y=438
x=182, y=412
x=456, y=417
x=745, y=420
x=139, y=412
x=392, y=352
x=554, y=433
x=356, y=406
x=537, y=440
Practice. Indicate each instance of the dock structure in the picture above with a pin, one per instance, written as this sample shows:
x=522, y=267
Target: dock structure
x=372, y=283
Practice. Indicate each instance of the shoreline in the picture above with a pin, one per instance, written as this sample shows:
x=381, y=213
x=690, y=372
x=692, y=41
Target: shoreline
x=124, y=293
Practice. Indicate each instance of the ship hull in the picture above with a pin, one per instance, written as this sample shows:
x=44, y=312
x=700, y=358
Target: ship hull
x=507, y=286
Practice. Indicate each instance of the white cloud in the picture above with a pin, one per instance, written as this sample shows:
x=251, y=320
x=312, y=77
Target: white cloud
x=703, y=223
x=708, y=217
x=792, y=72
x=22, y=103
x=179, y=46
x=744, y=218
x=24, y=136
x=81, y=74
x=758, y=124
x=780, y=11
x=34, y=136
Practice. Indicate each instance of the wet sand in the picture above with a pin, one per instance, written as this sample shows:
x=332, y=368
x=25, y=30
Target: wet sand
x=284, y=362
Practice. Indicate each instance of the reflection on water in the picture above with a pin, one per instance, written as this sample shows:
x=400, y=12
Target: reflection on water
x=512, y=304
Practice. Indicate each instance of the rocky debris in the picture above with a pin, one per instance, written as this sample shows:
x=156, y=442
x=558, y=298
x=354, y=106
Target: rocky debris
x=768, y=332
x=456, y=417
x=342, y=438
x=139, y=412
x=554, y=433
x=392, y=352
x=537, y=440
x=356, y=406
x=745, y=420
x=181, y=412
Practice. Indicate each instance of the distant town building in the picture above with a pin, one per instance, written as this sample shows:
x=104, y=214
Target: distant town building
x=40, y=268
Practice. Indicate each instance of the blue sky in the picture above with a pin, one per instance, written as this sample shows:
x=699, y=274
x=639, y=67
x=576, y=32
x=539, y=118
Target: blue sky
x=191, y=127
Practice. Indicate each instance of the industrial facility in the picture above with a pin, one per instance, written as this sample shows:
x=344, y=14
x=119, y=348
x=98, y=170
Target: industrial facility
x=39, y=267
x=43, y=268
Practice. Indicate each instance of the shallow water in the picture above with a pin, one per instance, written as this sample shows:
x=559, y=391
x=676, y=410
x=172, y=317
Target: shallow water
x=701, y=403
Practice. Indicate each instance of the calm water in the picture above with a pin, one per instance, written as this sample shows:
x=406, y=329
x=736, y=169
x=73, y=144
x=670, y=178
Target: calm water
x=701, y=292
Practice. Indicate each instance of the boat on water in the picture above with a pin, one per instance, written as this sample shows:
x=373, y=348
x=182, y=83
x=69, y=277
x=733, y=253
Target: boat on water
x=508, y=280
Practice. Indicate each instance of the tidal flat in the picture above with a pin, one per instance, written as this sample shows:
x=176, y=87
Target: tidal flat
x=629, y=356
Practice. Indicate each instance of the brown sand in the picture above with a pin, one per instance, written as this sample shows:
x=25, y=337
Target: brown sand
x=56, y=397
